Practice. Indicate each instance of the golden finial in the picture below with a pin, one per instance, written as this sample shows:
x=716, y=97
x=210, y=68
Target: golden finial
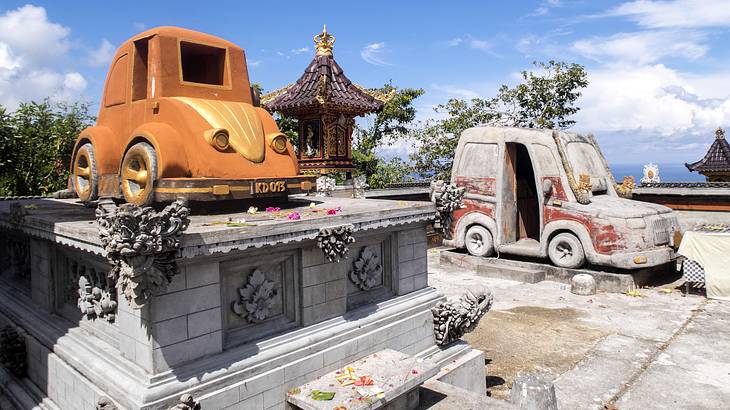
x=324, y=42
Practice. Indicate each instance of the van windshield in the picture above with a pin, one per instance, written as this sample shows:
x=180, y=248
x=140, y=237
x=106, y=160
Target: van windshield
x=584, y=159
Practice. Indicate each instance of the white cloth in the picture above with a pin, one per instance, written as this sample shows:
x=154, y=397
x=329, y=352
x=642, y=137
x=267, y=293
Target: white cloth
x=712, y=251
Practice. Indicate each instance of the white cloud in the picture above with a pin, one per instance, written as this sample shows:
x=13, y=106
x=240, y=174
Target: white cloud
x=254, y=63
x=454, y=42
x=676, y=13
x=454, y=91
x=102, y=56
x=471, y=42
x=302, y=50
x=31, y=48
x=650, y=99
x=27, y=31
x=373, y=54
x=642, y=47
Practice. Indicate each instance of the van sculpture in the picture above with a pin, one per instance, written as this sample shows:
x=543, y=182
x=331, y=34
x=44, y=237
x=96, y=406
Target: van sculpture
x=179, y=119
x=545, y=193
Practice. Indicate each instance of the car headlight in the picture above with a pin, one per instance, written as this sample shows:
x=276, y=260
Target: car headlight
x=218, y=138
x=277, y=142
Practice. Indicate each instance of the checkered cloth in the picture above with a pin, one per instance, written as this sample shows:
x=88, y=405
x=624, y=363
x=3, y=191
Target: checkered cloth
x=693, y=272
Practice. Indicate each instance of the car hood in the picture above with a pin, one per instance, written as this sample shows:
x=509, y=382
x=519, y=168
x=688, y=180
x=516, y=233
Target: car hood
x=245, y=131
x=615, y=207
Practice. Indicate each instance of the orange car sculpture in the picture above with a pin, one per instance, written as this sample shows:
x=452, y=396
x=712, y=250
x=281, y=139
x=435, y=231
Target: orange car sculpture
x=178, y=119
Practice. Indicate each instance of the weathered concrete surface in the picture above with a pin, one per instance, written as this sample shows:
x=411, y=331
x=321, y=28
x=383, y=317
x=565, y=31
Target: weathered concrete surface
x=659, y=350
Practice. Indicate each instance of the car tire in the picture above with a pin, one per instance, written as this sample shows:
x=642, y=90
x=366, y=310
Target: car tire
x=85, y=177
x=566, y=251
x=138, y=174
x=478, y=241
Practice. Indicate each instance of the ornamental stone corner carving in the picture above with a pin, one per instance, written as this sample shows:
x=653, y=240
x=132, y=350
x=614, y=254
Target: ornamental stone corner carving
x=333, y=241
x=367, y=271
x=13, y=351
x=105, y=403
x=447, y=198
x=626, y=189
x=453, y=318
x=256, y=298
x=325, y=186
x=95, y=302
x=141, y=244
x=359, y=185
x=187, y=402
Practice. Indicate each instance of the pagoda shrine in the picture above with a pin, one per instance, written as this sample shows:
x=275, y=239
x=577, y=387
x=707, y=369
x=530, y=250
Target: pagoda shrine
x=715, y=166
x=325, y=102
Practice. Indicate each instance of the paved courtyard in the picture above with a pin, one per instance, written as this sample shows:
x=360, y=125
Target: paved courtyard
x=655, y=351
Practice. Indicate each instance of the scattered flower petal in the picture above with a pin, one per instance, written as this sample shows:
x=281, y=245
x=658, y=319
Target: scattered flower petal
x=294, y=216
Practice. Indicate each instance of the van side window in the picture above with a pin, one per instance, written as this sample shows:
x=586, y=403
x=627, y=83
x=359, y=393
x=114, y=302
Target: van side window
x=116, y=86
x=202, y=64
x=478, y=160
x=547, y=164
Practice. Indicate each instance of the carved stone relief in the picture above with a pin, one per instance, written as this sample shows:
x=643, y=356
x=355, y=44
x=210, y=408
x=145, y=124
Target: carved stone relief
x=453, y=318
x=141, y=244
x=187, y=402
x=367, y=271
x=256, y=298
x=13, y=351
x=359, y=184
x=333, y=241
x=447, y=198
x=325, y=186
x=105, y=403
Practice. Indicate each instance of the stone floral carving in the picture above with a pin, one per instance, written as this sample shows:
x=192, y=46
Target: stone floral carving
x=367, y=271
x=585, y=189
x=325, y=186
x=13, y=351
x=447, y=198
x=453, y=318
x=187, y=402
x=333, y=241
x=95, y=302
x=105, y=403
x=256, y=298
x=359, y=184
x=141, y=244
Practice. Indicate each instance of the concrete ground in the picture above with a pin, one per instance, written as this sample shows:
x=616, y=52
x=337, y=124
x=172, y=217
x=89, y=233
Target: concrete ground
x=655, y=351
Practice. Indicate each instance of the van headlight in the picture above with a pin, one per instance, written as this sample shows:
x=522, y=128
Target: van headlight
x=277, y=141
x=218, y=138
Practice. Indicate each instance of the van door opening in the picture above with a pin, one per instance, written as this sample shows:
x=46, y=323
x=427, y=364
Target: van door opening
x=520, y=212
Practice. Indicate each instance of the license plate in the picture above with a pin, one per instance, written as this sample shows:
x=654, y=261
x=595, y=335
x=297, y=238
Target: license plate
x=269, y=187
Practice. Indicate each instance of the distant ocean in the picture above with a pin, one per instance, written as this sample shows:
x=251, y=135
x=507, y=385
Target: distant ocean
x=667, y=172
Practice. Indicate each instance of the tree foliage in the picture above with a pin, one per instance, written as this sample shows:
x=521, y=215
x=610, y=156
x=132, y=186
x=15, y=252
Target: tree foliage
x=36, y=143
x=388, y=125
x=545, y=99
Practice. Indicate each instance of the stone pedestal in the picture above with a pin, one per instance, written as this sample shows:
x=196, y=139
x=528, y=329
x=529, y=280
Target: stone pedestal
x=199, y=336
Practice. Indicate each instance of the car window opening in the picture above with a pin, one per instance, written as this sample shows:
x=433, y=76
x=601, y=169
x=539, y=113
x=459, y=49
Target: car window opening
x=202, y=64
x=139, y=79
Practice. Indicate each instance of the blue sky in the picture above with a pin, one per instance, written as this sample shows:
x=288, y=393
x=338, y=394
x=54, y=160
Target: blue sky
x=659, y=73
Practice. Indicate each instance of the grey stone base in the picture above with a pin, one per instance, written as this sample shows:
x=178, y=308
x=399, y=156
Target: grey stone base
x=530, y=272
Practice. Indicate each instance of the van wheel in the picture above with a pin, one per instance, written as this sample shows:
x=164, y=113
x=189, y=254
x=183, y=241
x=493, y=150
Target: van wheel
x=566, y=251
x=85, y=176
x=139, y=173
x=478, y=241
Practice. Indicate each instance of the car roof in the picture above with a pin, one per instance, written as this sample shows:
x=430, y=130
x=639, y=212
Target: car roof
x=182, y=33
x=489, y=134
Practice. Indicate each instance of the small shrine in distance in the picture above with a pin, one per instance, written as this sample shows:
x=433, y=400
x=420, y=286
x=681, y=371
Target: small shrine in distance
x=326, y=103
x=715, y=166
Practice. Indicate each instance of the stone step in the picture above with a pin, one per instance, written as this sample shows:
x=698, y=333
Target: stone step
x=526, y=275
x=436, y=395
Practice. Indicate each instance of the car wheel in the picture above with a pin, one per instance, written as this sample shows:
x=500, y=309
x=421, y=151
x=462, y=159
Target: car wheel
x=85, y=176
x=138, y=174
x=566, y=251
x=478, y=241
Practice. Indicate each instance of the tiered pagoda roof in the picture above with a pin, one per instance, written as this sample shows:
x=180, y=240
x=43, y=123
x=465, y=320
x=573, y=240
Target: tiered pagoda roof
x=324, y=85
x=717, y=158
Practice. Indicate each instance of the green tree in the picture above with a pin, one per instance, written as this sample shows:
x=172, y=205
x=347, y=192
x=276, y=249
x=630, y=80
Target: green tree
x=36, y=143
x=545, y=99
x=388, y=125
